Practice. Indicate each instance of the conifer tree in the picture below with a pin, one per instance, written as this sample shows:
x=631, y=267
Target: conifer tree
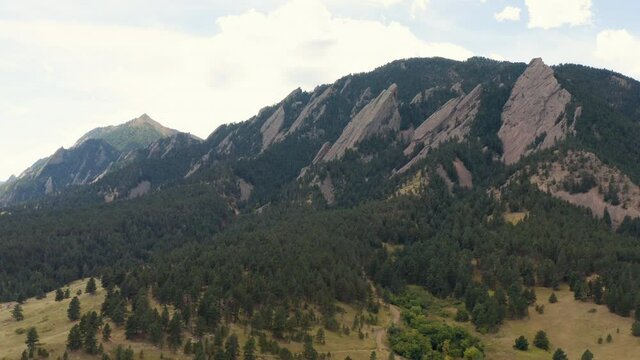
x=74, y=340
x=106, y=332
x=32, y=340
x=59, y=295
x=91, y=286
x=17, y=313
x=73, y=312
x=249, y=350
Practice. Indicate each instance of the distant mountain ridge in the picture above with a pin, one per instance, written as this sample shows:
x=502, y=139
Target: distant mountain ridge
x=134, y=134
x=92, y=156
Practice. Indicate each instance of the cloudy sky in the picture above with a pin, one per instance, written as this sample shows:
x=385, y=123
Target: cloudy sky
x=68, y=66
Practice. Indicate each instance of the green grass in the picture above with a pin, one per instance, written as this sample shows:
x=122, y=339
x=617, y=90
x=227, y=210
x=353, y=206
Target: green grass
x=50, y=319
x=570, y=325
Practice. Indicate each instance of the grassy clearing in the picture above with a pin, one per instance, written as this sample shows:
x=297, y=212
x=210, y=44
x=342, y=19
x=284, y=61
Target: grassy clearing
x=50, y=319
x=515, y=217
x=571, y=325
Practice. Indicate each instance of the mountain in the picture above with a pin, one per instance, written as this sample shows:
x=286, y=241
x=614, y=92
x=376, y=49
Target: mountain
x=134, y=134
x=422, y=181
x=91, y=158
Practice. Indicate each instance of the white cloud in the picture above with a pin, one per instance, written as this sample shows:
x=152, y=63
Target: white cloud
x=620, y=50
x=547, y=14
x=418, y=7
x=58, y=80
x=509, y=13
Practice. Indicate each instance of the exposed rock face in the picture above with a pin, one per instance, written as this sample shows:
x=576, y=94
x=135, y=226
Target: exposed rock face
x=326, y=189
x=159, y=149
x=465, y=178
x=322, y=152
x=379, y=116
x=271, y=128
x=314, y=109
x=452, y=121
x=606, y=181
x=534, y=116
x=245, y=189
x=139, y=190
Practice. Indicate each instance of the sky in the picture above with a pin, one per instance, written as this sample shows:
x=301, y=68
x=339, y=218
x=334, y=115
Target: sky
x=68, y=66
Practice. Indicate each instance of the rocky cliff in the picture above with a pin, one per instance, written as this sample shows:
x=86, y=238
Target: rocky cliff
x=378, y=117
x=535, y=116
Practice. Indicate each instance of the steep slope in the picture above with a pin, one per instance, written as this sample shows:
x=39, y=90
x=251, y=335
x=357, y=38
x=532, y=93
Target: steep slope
x=451, y=122
x=134, y=134
x=582, y=179
x=535, y=116
x=378, y=117
x=79, y=165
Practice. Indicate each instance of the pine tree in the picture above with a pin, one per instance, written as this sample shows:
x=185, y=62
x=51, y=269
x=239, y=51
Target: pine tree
x=59, y=295
x=559, y=355
x=17, y=313
x=74, y=340
x=541, y=341
x=521, y=343
x=24, y=356
x=73, y=312
x=91, y=286
x=249, y=350
x=320, y=338
x=32, y=340
x=164, y=318
x=175, y=331
x=609, y=338
x=553, y=298
x=606, y=217
x=373, y=356
x=635, y=329
x=67, y=293
x=308, y=352
x=106, y=332
x=232, y=347
x=587, y=355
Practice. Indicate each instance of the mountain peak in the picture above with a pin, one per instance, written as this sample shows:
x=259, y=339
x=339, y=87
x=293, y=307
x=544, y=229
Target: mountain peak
x=134, y=134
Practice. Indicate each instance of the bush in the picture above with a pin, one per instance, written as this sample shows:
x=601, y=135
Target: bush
x=553, y=298
x=587, y=355
x=635, y=329
x=559, y=355
x=541, y=341
x=521, y=344
x=462, y=316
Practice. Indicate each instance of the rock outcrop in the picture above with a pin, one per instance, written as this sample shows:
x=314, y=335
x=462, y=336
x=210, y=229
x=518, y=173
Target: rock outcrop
x=534, y=116
x=378, y=117
x=582, y=179
x=270, y=130
x=452, y=121
x=314, y=109
x=465, y=178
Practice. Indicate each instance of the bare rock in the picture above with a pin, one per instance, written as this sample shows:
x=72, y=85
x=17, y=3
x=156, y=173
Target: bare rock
x=314, y=109
x=245, y=189
x=465, y=178
x=572, y=168
x=270, y=130
x=452, y=121
x=141, y=189
x=534, y=116
x=379, y=116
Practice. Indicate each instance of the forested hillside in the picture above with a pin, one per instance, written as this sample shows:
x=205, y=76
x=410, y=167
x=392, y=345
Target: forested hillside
x=473, y=181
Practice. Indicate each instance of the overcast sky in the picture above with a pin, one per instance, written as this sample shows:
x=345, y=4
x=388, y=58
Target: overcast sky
x=67, y=66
